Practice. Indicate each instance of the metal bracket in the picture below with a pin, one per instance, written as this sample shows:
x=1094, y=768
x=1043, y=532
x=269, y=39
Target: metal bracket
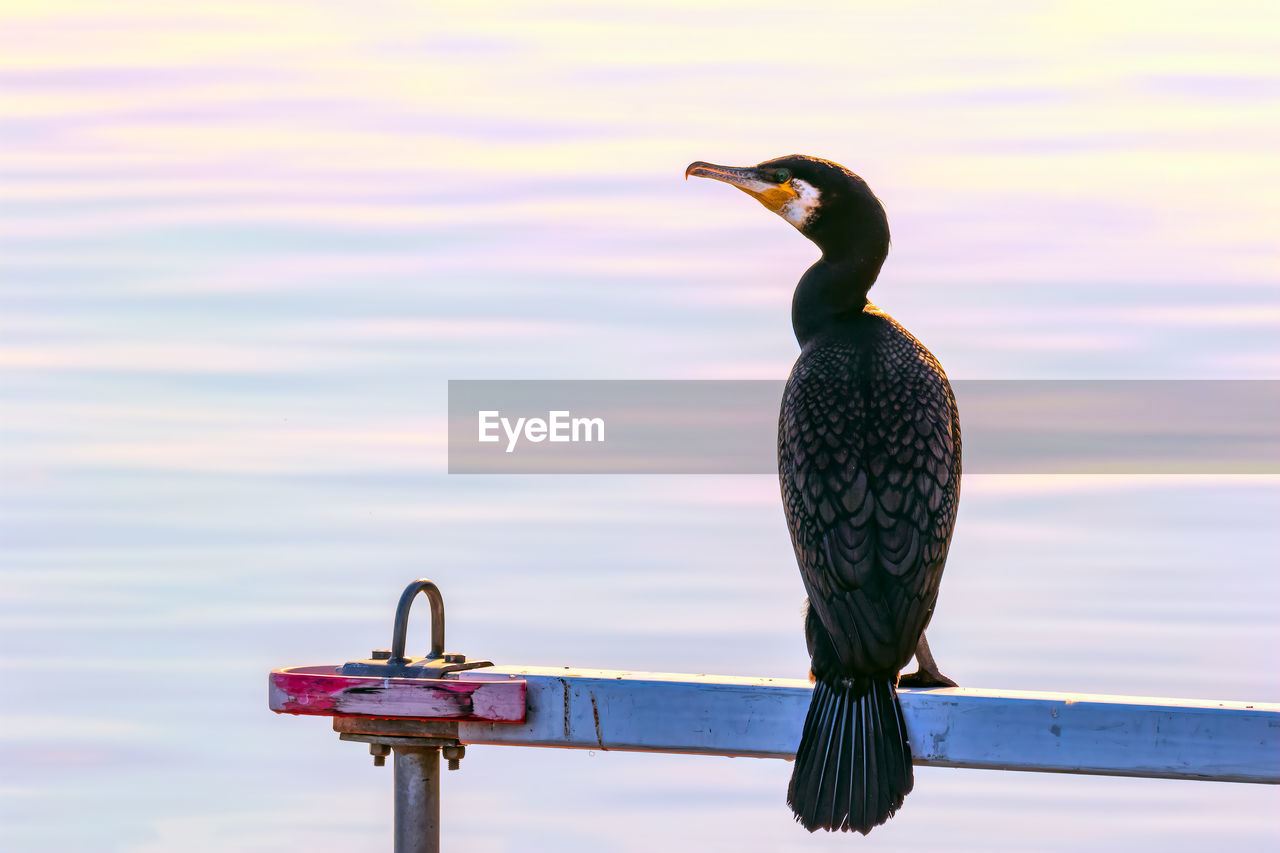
x=417, y=756
x=393, y=663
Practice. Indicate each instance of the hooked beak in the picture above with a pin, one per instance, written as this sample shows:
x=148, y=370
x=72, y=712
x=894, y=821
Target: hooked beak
x=749, y=179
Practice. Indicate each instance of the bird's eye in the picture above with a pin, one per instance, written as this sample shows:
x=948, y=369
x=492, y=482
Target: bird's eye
x=781, y=176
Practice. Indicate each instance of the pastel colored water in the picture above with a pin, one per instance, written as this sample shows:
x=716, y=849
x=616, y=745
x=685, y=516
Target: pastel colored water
x=245, y=247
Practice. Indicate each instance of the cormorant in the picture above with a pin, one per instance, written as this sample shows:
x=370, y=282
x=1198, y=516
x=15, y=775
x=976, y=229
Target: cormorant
x=869, y=463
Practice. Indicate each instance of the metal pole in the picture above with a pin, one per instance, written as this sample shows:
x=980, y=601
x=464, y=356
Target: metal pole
x=417, y=772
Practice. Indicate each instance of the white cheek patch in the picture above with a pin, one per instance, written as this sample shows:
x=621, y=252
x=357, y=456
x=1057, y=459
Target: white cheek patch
x=801, y=209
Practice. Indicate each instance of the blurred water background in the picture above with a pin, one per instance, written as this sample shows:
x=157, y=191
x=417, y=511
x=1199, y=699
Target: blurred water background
x=246, y=245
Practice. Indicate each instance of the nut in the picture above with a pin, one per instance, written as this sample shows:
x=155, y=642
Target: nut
x=453, y=753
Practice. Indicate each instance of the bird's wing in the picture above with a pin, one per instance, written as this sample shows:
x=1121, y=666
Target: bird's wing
x=870, y=482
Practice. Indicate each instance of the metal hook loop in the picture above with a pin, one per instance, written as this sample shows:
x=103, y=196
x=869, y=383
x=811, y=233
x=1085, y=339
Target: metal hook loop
x=401, y=627
x=395, y=664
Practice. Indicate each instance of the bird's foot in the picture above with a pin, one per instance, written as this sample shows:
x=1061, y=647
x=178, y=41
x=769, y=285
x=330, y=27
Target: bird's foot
x=925, y=678
x=927, y=674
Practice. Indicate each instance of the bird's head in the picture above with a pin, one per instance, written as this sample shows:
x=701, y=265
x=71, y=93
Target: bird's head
x=826, y=202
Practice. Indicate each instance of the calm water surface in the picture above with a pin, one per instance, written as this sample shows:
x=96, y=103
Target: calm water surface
x=244, y=248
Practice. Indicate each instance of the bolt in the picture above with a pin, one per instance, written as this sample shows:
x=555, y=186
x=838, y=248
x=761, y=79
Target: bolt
x=453, y=753
x=379, y=751
x=455, y=658
x=380, y=654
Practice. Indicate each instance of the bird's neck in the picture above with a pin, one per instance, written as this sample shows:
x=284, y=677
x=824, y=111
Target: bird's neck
x=833, y=291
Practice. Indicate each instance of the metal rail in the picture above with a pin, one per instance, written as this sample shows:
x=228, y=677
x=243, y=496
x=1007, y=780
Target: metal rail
x=955, y=727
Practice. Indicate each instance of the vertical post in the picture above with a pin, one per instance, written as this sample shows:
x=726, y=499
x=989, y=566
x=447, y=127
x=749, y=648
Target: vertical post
x=417, y=772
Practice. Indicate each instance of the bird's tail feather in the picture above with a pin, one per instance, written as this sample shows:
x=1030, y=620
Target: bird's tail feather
x=853, y=767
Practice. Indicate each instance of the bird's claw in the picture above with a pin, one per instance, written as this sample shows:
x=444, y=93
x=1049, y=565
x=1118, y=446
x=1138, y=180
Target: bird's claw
x=921, y=678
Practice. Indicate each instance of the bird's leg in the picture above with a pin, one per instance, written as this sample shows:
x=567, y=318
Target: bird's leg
x=928, y=674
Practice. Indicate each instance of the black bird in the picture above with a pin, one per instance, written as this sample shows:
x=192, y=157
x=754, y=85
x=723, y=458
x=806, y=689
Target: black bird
x=869, y=463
